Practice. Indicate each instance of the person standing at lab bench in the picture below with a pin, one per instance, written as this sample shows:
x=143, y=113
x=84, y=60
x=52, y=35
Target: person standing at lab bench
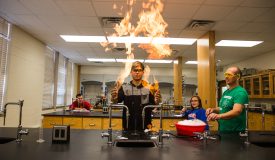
x=231, y=113
x=136, y=95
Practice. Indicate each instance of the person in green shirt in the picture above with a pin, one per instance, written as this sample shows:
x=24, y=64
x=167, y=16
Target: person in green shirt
x=231, y=113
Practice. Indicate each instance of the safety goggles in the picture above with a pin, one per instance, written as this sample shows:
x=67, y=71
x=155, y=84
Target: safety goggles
x=229, y=75
x=137, y=70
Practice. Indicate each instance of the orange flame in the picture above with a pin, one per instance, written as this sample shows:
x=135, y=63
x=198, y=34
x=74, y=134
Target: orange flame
x=150, y=24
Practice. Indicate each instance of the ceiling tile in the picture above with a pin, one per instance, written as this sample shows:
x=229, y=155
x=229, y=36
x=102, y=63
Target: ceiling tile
x=76, y=7
x=81, y=21
x=245, y=14
x=224, y=2
x=258, y=3
x=227, y=26
x=179, y=10
x=213, y=13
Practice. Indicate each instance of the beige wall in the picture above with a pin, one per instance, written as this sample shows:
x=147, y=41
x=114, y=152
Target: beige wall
x=262, y=62
x=25, y=79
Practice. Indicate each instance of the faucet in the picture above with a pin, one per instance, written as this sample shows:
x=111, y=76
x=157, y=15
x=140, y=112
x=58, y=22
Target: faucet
x=20, y=130
x=161, y=134
x=109, y=132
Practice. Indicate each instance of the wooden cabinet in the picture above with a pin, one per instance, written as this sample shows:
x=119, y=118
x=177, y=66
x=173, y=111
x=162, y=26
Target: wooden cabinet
x=247, y=85
x=255, y=121
x=49, y=122
x=92, y=123
x=272, y=84
x=255, y=87
x=116, y=123
x=155, y=124
x=269, y=122
x=260, y=85
x=74, y=122
x=170, y=124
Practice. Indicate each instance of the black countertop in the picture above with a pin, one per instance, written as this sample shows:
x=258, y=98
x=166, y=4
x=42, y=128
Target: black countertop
x=88, y=145
x=115, y=114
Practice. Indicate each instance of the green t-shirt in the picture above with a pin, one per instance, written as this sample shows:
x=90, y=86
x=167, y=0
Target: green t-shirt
x=229, y=98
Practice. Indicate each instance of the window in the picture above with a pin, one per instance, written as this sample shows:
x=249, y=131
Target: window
x=48, y=91
x=4, y=44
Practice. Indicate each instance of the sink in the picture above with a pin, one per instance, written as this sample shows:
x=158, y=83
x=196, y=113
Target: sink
x=4, y=140
x=135, y=143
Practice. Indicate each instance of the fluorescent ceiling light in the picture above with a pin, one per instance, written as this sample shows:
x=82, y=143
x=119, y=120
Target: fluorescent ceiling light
x=129, y=60
x=129, y=39
x=183, y=41
x=100, y=60
x=191, y=62
x=157, y=61
x=71, y=38
x=179, y=41
x=237, y=43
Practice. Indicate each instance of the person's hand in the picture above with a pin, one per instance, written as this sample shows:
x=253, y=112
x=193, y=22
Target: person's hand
x=183, y=110
x=157, y=97
x=209, y=111
x=213, y=116
x=114, y=94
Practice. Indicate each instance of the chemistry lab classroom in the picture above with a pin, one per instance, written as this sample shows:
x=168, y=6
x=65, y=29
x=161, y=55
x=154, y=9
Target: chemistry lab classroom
x=43, y=68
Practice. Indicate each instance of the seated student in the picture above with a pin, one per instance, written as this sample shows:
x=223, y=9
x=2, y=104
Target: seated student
x=79, y=103
x=196, y=112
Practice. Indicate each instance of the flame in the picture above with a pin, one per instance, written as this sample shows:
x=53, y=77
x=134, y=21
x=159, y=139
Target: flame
x=150, y=24
x=156, y=84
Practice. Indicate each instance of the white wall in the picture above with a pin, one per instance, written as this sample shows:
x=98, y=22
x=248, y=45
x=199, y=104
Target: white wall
x=262, y=62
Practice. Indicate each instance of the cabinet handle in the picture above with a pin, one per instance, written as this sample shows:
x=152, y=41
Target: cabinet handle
x=52, y=123
x=172, y=125
x=91, y=124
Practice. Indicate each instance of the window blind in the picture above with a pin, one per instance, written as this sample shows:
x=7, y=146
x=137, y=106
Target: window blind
x=4, y=45
x=48, y=90
x=61, y=81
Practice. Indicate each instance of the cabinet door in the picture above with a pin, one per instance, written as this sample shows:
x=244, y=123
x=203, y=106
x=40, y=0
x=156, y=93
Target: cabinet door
x=255, y=87
x=269, y=122
x=170, y=124
x=265, y=87
x=49, y=122
x=116, y=123
x=92, y=123
x=247, y=85
x=74, y=122
x=272, y=81
x=155, y=124
x=255, y=121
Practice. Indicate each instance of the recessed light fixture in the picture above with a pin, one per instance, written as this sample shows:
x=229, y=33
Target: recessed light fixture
x=155, y=40
x=183, y=41
x=191, y=62
x=129, y=39
x=237, y=43
x=157, y=61
x=73, y=38
x=100, y=60
x=129, y=60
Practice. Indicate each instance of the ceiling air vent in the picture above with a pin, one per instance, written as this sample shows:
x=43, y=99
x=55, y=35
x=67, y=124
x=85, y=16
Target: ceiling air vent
x=110, y=21
x=202, y=25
